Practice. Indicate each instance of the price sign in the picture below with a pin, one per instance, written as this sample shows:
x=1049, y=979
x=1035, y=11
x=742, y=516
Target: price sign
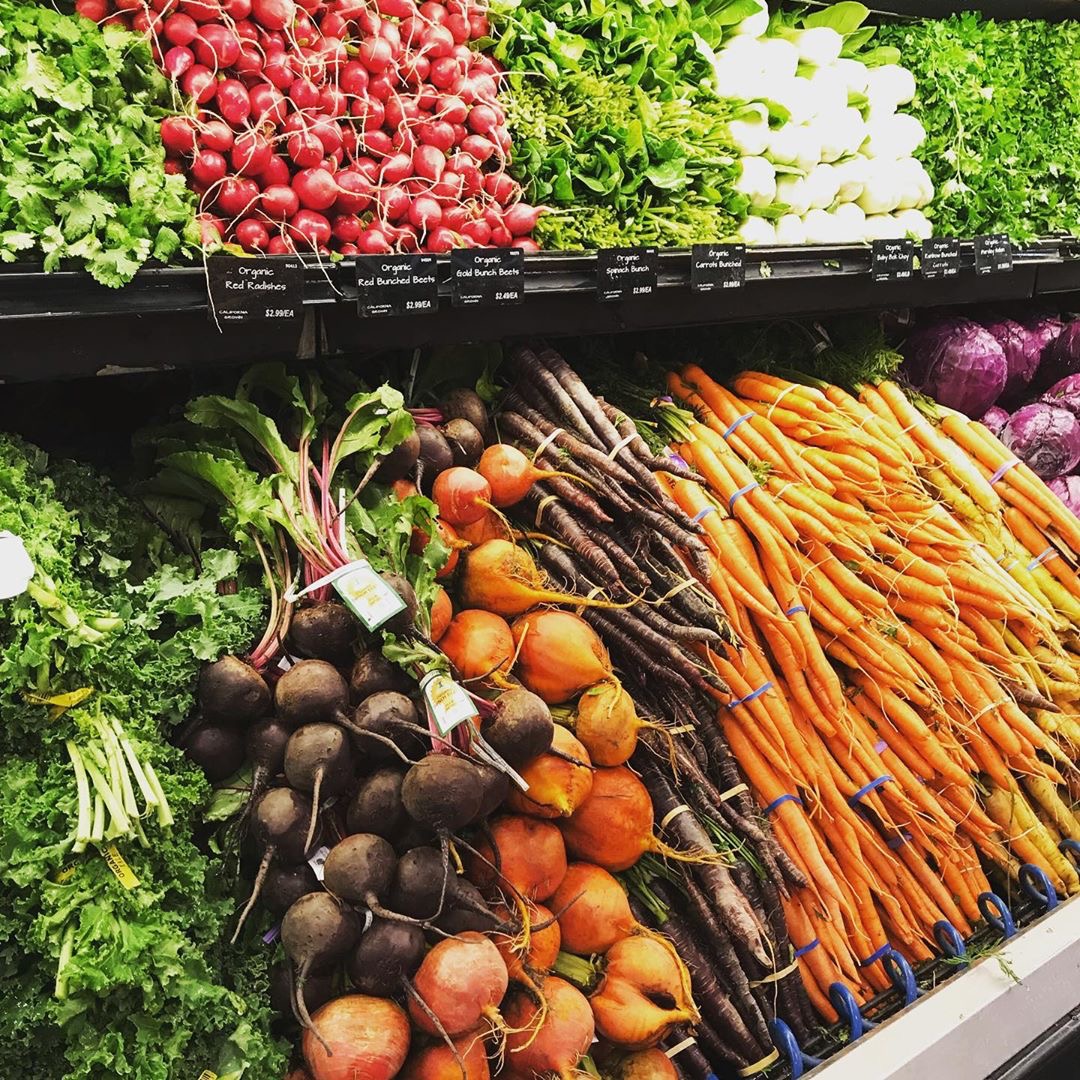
x=367, y=596
x=396, y=285
x=892, y=260
x=717, y=266
x=487, y=277
x=993, y=254
x=268, y=288
x=622, y=273
x=939, y=257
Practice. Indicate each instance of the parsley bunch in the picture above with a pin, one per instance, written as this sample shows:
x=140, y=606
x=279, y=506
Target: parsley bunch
x=1000, y=102
x=81, y=161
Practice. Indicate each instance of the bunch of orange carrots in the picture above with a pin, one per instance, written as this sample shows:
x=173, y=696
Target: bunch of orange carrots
x=904, y=693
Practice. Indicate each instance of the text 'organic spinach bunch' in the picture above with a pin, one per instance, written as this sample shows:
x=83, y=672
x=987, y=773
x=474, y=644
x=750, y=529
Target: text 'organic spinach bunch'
x=81, y=162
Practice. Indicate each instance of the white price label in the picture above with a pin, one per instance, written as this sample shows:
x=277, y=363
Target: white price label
x=317, y=862
x=367, y=596
x=16, y=569
x=448, y=703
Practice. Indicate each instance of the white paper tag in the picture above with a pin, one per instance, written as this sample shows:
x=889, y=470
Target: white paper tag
x=284, y=663
x=448, y=702
x=367, y=596
x=16, y=569
x=317, y=862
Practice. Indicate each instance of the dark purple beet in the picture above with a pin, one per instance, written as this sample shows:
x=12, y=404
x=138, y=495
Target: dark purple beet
x=401, y=461
x=318, y=989
x=232, y=691
x=404, y=622
x=376, y=807
x=435, y=456
x=285, y=884
x=393, y=716
x=218, y=751
x=318, y=760
x=466, y=443
x=326, y=631
x=387, y=953
x=442, y=792
x=372, y=672
x=520, y=728
x=467, y=405
x=311, y=691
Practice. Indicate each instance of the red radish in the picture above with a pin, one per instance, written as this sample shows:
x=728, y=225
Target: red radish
x=237, y=10
x=353, y=79
x=438, y=42
x=216, y=135
x=445, y=73
x=304, y=94
x=478, y=24
x=367, y=1037
x=397, y=9
x=478, y=147
x=311, y=228
x=333, y=53
x=481, y=120
x=252, y=235
x=211, y=230
x=334, y=25
x=201, y=11
x=328, y=132
x=441, y=240
x=500, y=236
x=434, y=12
x=521, y=218
x=551, y=1041
x=346, y=228
x=463, y=495
x=526, y=244
x=395, y=169
x=373, y=112
x=198, y=83
x=208, y=167
x=251, y=154
x=333, y=102
x=503, y=190
x=173, y=167
x=461, y=980
x=277, y=172
x=277, y=70
x=532, y=856
x=217, y=47
x=428, y=162
x=316, y=189
x=373, y=242
x=354, y=192
x=594, y=910
x=455, y=216
x=395, y=202
x=438, y=134
x=425, y=213
x=305, y=150
x=376, y=54
x=381, y=87
x=279, y=202
x=268, y=105
x=178, y=135
x=458, y=26
x=273, y=14
x=180, y=29
x=94, y=10
x=478, y=231
x=177, y=60
x=237, y=195
x=452, y=109
x=479, y=645
x=233, y=101
x=281, y=245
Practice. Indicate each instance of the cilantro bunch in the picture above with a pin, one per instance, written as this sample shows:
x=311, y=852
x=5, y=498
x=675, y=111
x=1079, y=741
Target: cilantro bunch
x=1000, y=102
x=81, y=162
x=98, y=980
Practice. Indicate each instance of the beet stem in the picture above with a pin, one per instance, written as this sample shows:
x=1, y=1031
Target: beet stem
x=256, y=888
x=301, y=1004
x=314, y=820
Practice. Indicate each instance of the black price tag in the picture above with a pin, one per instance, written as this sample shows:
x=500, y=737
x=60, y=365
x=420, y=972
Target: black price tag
x=267, y=287
x=626, y=272
x=717, y=266
x=397, y=285
x=993, y=254
x=939, y=257
x=892, y=260
x=487, y=277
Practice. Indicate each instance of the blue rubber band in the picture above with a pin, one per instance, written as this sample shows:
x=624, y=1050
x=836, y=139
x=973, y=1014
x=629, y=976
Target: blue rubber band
x=1003, y=470
x=880, y=745
x=781, y=799
x=795, y=610
x=876, y=955
x=742, y=491
x=750, y=697
x=897, y=842
x=736, y=422
x=702, y=513
x=867, y=788
x=806, y=948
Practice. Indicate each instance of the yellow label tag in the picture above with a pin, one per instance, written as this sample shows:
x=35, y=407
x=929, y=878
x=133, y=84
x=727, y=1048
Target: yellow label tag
x=60, y=702
x=65, y=873
x=206, y=1074
x=448, y=702
x=115, y=861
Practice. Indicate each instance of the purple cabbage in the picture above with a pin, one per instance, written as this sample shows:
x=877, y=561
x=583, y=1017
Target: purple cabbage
x=995, y=418
x=1067, y=489
x=1060, y=358
x=1022, y=349
x=1065, y=393
x=957, y=362
x=1045, y=437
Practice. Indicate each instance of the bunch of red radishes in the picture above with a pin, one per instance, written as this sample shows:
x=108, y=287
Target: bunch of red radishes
x=358, y=126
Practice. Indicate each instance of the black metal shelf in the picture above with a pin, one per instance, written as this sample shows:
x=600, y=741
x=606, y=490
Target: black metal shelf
x=64, y=325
